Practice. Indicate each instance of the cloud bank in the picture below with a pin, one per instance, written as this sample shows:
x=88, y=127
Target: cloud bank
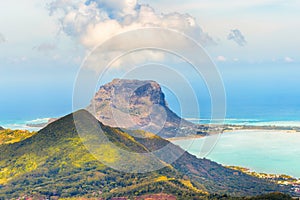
x=91, y=22
x=237, y=37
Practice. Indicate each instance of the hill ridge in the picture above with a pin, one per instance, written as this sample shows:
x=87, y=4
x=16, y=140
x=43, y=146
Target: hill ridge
x=55, y=162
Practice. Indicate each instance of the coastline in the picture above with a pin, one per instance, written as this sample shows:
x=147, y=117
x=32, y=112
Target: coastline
x=280, y=179
x=287, y=130
x=185, y=138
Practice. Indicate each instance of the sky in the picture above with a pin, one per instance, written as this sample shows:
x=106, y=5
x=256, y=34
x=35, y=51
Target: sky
x=254, y=44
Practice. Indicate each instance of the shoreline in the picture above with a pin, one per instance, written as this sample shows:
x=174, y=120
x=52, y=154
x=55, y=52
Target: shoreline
x=185, y=137
x=287, y=131
x=280, y=179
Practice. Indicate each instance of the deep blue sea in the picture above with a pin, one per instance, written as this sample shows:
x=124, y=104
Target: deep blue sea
x=277, y=115
x=239, y=112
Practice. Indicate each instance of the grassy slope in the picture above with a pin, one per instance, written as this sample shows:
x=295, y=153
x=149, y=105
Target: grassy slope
x=8, y=136
x=54, y=162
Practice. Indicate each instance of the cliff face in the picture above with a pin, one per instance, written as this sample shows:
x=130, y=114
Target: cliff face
x=135, y=104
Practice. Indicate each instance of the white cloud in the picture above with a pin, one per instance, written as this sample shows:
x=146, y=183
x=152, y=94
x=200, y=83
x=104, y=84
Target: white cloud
x=288, y=59
x=94, y=21
x=221, y=59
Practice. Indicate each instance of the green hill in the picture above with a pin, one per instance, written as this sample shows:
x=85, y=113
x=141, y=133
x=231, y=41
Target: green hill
x=8, y=136
x=55, y=163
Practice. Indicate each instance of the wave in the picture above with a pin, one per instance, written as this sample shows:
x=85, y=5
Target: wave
x=252, y=122
x=23, y=125
x=38, y=121
x=280, y=123
x=226, y=119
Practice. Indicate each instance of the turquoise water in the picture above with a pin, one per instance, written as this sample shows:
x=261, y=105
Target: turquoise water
x=275, y=152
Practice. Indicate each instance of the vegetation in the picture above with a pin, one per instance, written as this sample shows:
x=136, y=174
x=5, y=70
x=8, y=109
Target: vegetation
x=54, y=163
x=272, y=196
x=276, y=178
x=8, y=136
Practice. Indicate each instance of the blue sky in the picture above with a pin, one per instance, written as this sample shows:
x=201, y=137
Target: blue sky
x=41, y=49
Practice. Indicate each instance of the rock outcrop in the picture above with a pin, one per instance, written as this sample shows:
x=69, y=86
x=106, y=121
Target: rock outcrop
x=135, y=104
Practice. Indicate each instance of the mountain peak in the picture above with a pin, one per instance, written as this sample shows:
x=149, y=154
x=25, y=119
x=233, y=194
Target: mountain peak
x=138, y=104
x=138, y=89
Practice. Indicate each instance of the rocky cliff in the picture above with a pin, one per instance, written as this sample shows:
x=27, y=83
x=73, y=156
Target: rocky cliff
x=135, y=104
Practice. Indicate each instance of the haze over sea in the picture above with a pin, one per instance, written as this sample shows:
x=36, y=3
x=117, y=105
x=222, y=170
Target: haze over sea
x=278, y=113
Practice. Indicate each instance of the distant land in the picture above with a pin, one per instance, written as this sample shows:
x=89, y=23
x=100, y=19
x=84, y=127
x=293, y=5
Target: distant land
x=141, y=105
x=41, y=125
x=54, y=163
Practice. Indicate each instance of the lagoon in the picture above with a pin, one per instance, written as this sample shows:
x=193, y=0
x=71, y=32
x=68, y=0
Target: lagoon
x=273, y=152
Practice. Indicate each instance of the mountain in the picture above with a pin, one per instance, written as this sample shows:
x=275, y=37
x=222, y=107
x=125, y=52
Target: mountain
x=55, y=163
x=1, y=128
x=138, y=105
